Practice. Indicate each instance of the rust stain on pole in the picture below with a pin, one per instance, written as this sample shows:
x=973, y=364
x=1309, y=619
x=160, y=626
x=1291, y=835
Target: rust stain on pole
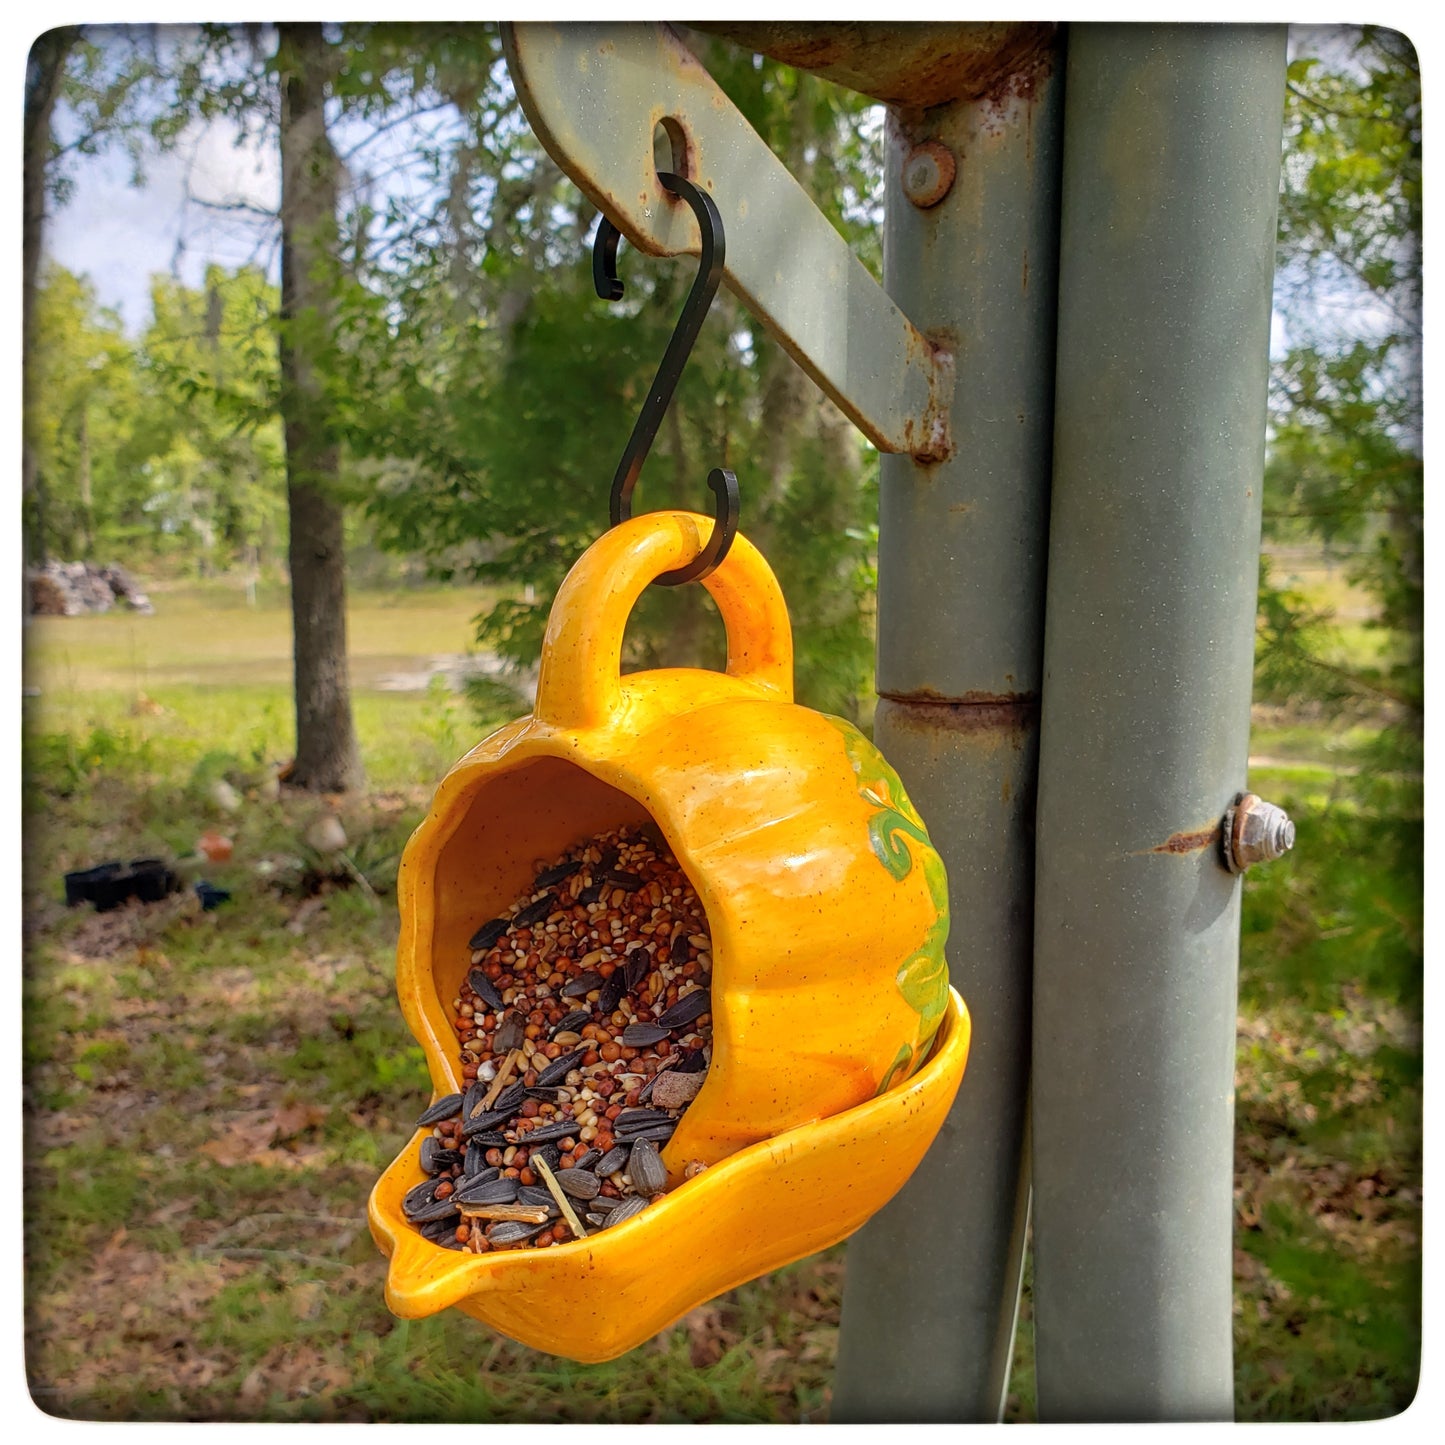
x=921, y=64
x=1011, y=713
x=1194, y=841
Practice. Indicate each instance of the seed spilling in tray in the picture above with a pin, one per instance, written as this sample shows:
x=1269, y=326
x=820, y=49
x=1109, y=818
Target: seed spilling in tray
x=581, y=999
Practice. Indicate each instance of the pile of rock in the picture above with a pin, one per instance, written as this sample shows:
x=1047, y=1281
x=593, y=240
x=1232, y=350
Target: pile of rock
x=67, y=589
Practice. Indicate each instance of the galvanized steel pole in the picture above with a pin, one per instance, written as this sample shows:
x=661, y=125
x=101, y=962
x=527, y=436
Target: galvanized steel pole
x=932, y=1284
x=1172, y=154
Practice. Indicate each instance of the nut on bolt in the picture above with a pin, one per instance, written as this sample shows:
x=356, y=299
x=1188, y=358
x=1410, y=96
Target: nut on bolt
x=928, y=173
x=1255, y=832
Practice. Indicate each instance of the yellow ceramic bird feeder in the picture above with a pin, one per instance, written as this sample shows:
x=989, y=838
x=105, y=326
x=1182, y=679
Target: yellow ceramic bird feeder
x=836, y=1044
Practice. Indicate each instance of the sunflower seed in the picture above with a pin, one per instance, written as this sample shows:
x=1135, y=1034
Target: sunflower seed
x=588, y=1159
x=627, y=882
x=484, y=989
x=558, y=1070
x=441, y=1231
x=535, y=912
x=639, y=1036
x=629, y=1208
x=419, y=1197
x=536, y=1194
x=512, y=1231
x=646, y=1169
x=690, y=1061
x=686, y=1009
x=582, y=985
x=437, y=1209
x=679, y=949
x=630, y=1119
x=476, y=1092
x=635, y=969
x=590, y=894
x=435, y=1157
x=550, y=877
x=610, y=995
x=579, y=1183
x=659, y=1133
x=444, y=1108
x=492, y=1191
x=613, y=1160
x=488, y=933
x=485, y=1175
x=549, y=1154
x=573, y=1020
x=548, y=1132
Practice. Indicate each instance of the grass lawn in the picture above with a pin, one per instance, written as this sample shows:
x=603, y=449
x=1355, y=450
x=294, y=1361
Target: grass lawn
x=210, y=1095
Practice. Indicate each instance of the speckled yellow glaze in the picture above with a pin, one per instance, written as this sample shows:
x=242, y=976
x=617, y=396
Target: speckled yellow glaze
x=827, y=908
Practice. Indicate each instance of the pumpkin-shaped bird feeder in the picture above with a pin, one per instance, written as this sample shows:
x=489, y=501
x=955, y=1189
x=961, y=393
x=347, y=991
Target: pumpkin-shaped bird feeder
x=675, y=934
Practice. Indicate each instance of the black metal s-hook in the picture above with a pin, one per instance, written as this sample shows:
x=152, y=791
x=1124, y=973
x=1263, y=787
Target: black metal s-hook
x=723, y=483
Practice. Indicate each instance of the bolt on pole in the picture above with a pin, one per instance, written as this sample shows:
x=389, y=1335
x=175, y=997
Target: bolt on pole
x=1171, y=174
x=932, y=1286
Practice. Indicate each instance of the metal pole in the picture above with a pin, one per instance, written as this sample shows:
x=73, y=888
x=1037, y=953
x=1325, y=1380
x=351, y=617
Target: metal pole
x=1172, y=143
x=932, y=1281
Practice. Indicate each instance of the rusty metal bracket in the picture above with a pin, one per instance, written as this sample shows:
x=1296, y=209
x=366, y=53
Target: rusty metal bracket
x=595, y=94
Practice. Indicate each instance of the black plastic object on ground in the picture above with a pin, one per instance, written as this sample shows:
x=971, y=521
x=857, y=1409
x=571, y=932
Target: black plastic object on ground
x=108, y=885
x=210, y=895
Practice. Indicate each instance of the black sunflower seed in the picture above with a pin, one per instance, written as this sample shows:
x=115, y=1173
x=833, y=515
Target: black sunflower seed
x=690, y=1061
x=485, y=989
x=639, y=1036
x=679, y=948
x=435, y=1157
x=656, y=1132
x=489, y=1191
x=613, y=987
x=512, y=1231
x=484, y=1175
x=548, y=1132
x=582, y=985
x=590, y=894
x=552, y=876
x=605, y=862
x=549, y=1154
x=558, y=1070
x=483, y=1129
x=635, y=969
x=629, y=1207
x=613, y=1160
x=510, y=1099
x=640, y=1118
x=534, y=912
x=488, y=933
x=419, y=1197
x=444, y=1108
x=627, y=882
x=437, y=1209
x=686, y=1009
x=476, y=1092
x=441, y=1231
x=579, y=1183
x=588, y=1159
x=573, y=1020
x=535, y=1194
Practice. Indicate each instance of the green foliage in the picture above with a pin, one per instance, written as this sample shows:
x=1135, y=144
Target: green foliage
x=1345, y=464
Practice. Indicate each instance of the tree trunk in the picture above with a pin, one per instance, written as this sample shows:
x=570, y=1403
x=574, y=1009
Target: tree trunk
x=43, y=76
x=327, y=758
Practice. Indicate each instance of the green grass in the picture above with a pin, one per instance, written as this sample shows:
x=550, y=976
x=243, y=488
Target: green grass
x=209, y=1096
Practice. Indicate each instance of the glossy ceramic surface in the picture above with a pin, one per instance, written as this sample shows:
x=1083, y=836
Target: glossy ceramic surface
x=826, y=903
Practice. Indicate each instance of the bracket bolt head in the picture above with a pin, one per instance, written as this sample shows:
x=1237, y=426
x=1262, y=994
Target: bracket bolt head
x=1255, y=832
x=928, y=173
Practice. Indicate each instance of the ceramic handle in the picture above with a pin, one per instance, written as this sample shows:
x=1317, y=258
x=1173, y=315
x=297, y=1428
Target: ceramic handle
x=580, y=684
